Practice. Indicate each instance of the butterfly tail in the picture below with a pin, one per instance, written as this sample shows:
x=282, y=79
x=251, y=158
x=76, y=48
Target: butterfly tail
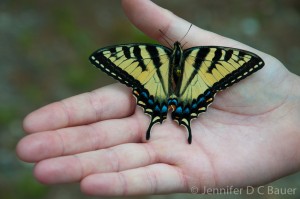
x=190, y=134
x=149, y=129
x=187, y=123
x=158, y=115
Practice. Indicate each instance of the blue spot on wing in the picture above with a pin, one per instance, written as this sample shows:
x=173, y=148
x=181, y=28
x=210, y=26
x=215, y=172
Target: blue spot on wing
x=200, y=100
x=150, y=102
x=164, y=109
x=207, y=93
x=178, y=110
x=186, y=111
x=173, y=102
x=157, y=109
x=144, y=94
x=194, y=105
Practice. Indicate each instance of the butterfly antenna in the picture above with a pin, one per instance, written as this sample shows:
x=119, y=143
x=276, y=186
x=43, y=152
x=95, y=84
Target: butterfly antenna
x=184, y=44
x=186, y=34
x=164, y=38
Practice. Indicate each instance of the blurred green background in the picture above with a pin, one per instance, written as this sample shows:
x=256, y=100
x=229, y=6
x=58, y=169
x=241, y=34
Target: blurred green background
x=44, y=49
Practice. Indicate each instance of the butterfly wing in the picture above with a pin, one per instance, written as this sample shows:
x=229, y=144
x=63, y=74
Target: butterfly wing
x=207, y=70
x=144, y=68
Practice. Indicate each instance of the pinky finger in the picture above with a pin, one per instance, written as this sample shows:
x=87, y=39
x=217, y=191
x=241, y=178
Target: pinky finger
x=153, y=179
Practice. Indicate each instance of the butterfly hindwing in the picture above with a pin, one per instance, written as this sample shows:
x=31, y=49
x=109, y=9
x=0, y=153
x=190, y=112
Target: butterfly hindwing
x=206, y=70
x=144, y=68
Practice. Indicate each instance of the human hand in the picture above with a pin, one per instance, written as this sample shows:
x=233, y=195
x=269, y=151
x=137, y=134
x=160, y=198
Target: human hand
x=248, y=136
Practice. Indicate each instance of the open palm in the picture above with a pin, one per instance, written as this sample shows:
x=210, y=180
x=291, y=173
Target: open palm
x=247, y=137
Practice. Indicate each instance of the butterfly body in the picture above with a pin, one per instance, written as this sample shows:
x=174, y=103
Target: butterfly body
x=184, y=81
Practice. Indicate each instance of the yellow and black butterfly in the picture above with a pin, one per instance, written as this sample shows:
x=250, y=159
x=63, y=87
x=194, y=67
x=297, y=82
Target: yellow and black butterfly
x=183, y=80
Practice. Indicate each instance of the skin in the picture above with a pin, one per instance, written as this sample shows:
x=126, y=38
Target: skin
x=248, y=137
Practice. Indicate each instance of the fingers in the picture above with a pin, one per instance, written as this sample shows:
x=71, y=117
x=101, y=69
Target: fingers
x=150, y=18
x=145, y=16
x=113, y=101
x=74, y=168
x=73, y=140
x=153, y=179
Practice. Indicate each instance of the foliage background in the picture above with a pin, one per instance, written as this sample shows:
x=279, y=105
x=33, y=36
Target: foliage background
x=44, y=49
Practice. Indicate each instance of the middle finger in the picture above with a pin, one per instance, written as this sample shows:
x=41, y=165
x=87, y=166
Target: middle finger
x=73, y=140
x=74, y=168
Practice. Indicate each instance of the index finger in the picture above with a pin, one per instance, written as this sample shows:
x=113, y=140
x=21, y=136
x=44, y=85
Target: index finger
x=150, y=18
x=109, y=102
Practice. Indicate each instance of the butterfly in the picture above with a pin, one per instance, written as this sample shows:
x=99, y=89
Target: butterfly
x=183, y=81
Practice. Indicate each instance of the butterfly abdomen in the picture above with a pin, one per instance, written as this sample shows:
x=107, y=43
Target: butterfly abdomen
x=176, y=64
